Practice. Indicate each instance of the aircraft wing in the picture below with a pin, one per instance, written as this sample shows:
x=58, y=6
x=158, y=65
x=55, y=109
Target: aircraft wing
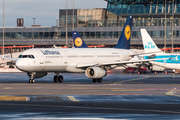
x=8, y=58
x=128, y=62
x=81, y=65
x=115, y=63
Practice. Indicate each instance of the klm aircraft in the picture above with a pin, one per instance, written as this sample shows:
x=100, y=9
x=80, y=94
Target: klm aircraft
x=150, y=47
x=95, y=62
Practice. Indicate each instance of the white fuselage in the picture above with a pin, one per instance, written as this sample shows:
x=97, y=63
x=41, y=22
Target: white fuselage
x=67, y=59
x=167, y=65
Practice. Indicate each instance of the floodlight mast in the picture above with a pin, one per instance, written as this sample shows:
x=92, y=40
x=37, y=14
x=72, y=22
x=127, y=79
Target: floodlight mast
x=172, y=35
x=3, y=27
x=165, y=28
x=34, y=20
x=66, y=21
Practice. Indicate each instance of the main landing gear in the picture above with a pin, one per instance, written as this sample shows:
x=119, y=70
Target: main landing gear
x=58, y=77
x=99, y=80
x=32, y=77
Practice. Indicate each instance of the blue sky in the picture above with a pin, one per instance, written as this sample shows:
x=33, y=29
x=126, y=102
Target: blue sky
x=45, y=11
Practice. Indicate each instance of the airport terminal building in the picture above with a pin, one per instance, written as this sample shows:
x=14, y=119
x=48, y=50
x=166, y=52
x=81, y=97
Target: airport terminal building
x=103, y=26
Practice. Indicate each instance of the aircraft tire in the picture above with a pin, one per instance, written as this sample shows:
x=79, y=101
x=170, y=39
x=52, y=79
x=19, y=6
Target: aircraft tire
x=100, y=80
x=31, y=81
x=94, y=80
x=55, y=78
x=60, y=78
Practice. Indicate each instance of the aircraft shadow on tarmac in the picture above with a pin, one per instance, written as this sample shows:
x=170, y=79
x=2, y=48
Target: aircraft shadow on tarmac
x=113, y=78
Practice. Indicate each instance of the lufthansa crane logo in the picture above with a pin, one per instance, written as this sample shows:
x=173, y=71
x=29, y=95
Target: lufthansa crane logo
x=127, y=32
x=78, y=42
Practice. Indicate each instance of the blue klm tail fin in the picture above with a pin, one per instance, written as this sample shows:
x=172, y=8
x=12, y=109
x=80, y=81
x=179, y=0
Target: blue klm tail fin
x=125, y=38
x=78, y=41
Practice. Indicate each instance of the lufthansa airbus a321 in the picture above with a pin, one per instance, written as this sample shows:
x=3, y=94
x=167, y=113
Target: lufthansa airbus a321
x=95, y=62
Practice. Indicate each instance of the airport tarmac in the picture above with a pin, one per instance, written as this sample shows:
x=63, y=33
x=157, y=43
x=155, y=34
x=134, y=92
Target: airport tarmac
x=119, y=96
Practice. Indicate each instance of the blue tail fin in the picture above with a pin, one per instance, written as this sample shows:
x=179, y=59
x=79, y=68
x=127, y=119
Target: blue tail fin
x=125, y=38
x=78, y=41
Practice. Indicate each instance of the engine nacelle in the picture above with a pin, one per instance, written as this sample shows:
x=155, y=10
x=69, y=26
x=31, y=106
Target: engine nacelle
x=95, y=72
x=37, y=74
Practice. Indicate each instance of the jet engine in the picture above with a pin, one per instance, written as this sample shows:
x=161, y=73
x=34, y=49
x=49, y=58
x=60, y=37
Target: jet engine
x=37, y=74
x=95, y=72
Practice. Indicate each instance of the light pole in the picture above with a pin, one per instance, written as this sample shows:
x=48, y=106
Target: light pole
x=3, y=27
x=165, y=28
x=73, y=15
x=57, y=21
x=172, y=25
x=34, y=20
x=66, y=22
x=73, y=23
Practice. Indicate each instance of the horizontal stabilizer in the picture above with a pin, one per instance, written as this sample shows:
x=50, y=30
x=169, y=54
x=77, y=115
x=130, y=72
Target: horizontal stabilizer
x=132, y=55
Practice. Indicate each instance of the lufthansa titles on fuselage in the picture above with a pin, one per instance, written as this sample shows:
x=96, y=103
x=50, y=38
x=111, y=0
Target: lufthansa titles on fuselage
x=48, y=52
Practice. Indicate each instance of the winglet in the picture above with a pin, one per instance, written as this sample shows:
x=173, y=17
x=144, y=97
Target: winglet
x=148, y=43
x=78, y=41
x=125, y=38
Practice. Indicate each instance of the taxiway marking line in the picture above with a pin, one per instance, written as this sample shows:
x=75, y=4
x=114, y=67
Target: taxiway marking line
x=171, y=92
x=141, y=89
x=130, y=80
x=129, y=90
x=73, y=99
x=7, y=88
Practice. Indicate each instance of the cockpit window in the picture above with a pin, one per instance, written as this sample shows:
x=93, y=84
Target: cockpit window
x=26, y=56
x=20, y=56
x=31, y=56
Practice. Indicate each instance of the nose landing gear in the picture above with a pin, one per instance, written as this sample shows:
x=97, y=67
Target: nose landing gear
x=32, y=77
x=31, y=81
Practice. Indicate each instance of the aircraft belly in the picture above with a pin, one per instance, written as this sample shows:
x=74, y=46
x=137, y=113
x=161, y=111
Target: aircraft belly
x=72, y=68
x=52, y=68
x=44, y=68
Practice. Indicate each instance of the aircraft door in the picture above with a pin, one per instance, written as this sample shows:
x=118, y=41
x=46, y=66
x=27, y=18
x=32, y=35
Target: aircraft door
x=165, y=61
x=65, y=58
x=41, y=60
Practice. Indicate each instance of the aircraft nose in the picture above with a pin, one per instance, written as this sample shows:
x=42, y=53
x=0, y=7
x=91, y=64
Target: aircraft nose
x=19, y=64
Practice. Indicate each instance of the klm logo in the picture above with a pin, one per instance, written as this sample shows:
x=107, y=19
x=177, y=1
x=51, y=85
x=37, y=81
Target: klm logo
x=48, y=52
x=150, y=45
